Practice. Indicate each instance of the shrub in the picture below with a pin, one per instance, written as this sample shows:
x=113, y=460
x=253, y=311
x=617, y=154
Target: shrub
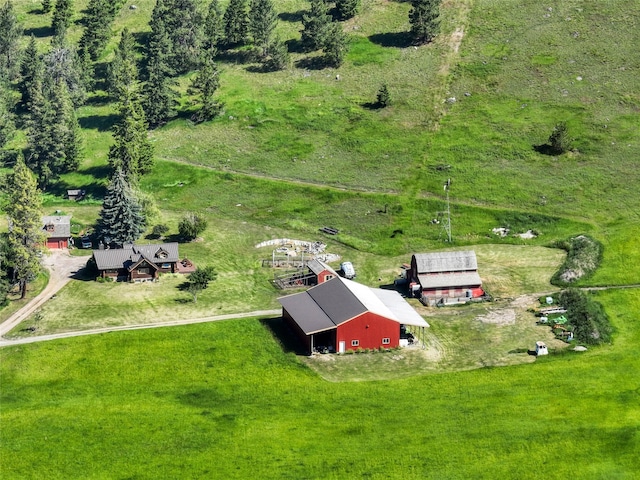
x=159, y=230
x=191, y=226
x=559, y=140
x=383, y=99
x=587, y=317
x=583, y=258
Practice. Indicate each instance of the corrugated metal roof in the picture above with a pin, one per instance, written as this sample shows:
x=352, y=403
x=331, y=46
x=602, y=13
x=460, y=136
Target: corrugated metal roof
x=444, y=280
x=334, y=302
x=337, y=301
x=403, y=312
x=123, y=257
x=446, y=261
x=61, y=225
x=316, y=266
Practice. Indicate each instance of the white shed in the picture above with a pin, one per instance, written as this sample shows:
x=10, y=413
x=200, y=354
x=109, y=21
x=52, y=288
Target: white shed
x=541, y=348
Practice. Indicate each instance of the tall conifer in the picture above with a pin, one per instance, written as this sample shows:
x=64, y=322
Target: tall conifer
x=24, y=209
x=424, y=19
x=121, y=220
x=9, y=38
x=316, y=24
x=262, y=23
x=236, y=22
x=122, y=75
x=62, y=15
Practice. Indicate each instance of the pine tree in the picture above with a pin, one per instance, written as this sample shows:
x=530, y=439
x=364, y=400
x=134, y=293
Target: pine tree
x=62, y=64
x=424, y=19
x=383, y=99
x=62, y=14
x=347, y=8
x=53, y=133
x=262, y=23
x=131, y=152
x=31, y=72
x=559, y=140
x=159, y=96
x=121, y=220
x=335, y=46
x=24, y=209
x=9, y=38
x=236, y=22
x=7, y=125
x=213, y=28
x=122, y=74
x=97, y=25
x=316, y=24
x=184, y=24
x=277, y=56
x=46, y=6
x=204, y=86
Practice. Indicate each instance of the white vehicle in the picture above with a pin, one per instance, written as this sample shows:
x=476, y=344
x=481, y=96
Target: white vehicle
x=347, y=270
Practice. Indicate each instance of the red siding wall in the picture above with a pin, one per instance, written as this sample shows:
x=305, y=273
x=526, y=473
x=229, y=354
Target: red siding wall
x=369, y=329
x=322, y=276
x=56, y=243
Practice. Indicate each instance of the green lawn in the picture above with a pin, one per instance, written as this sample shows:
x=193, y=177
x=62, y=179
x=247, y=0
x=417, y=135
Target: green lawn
x=224, y=400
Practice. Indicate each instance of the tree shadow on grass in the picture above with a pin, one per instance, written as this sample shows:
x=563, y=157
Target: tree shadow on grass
x=101, y=123
x=39, y=32
x=312, y=63
x=392, y=39
x=292, y=16
x=371, y=105
x=546, y=149
x=295, y=45
x=236, y=56
x=284, y=335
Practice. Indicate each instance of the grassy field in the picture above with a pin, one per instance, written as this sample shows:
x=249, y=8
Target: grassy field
x=226, y=400
x=299, y=149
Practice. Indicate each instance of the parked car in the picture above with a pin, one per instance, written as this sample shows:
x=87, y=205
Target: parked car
x=86, y=242
x=347, y=270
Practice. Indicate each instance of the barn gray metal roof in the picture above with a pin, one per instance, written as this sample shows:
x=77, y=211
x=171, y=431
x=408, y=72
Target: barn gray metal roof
x=446, y=280
x=332, y=303
x=61, y=225
x=446, y=261
x=316, y=266
x=123, y=257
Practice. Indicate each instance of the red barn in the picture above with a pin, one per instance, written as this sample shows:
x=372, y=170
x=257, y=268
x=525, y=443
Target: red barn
x=438, y=276
x=344, y=315
x=321, y=271
x=58, y=231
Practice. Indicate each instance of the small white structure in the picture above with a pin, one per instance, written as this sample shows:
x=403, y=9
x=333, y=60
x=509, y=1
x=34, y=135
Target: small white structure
x=549, y=300
x=541, y=349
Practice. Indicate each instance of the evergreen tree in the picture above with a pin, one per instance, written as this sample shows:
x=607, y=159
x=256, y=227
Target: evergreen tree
x=159, y=96
x=46, y=6
x=335, y=46
x=131, y=152
x=121, y=220
x=236, y=22
x=31, y=72
x=316, y=24
x=24, y=209
x=204, y=86
x=97, y=25
x=85, y=68
x=122, y=74
x=213, y=28
x=9, y=48
x=53, y=133
x=62, y=14
x=262, y=23
x=383, y=98
x=559, y=140
x=7, y=126
x=192, y=225
x=62, y=64
x=277, y=56
x=184, y=24
x=347, y=8
x=424, y=19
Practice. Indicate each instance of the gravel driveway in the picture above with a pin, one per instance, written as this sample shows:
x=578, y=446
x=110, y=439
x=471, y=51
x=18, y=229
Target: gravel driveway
x=62, y=267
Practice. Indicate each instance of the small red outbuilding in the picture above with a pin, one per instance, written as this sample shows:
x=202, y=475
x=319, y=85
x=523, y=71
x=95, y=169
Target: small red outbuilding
x=58, y=231
x=344, y=315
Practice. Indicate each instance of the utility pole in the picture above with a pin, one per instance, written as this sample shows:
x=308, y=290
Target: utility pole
x=447, y=225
